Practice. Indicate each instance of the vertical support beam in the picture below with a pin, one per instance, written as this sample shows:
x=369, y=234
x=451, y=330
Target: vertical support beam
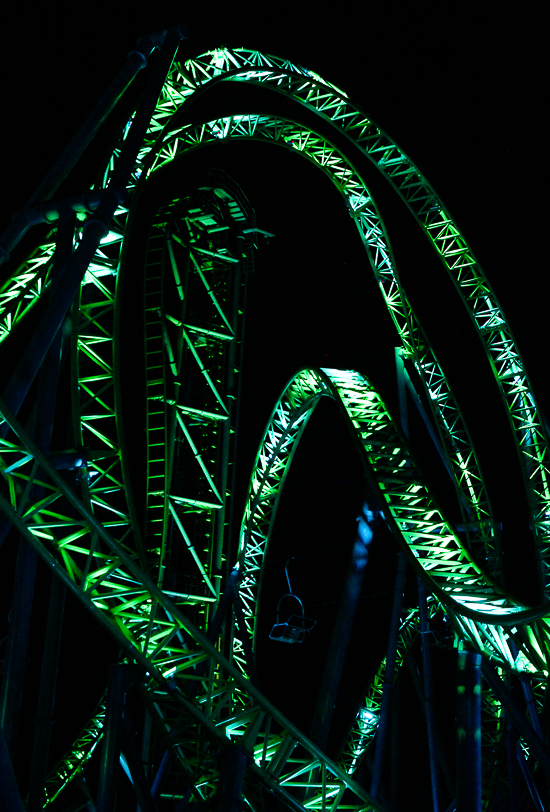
x=394, y=749
x=41, y=427
x=44, y=408
x=513, y=772
x=247, y=647
x=246, y=265
x=339, y=643
x=146, y=743
x=10, y=799
x=441, y=754
x=88, y=803
x=428, y=694
x=402, y=391
x=131, y=763
x=389, y=672
x=230, y=393
x=95, y=228
x=468, y=728
x=121, y=677
x=230, y=785
x=46, y=697
x=161, y=774
x=16, y=654
x=536, y=745
x=531, y=786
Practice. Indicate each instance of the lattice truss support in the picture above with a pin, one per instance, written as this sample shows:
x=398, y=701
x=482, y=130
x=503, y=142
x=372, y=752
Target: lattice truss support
x=94, y=540
x=481, y=612
x=109, y=578
x=220, y=705
x=198, y=257
x=164, y=144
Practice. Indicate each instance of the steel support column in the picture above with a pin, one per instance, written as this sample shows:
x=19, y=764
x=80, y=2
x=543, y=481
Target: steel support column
x=339, y=643
x=520, y=722
x=96, y=228
x=10, y=799
x=137, y=59
x=428, y=694
x=18, y=635
x=219, y=532
x=230, y=786
x=46, y=697
x=120, y=679
x=383, y=724
x=468, y=726
x=41, y=425
x=513, y=771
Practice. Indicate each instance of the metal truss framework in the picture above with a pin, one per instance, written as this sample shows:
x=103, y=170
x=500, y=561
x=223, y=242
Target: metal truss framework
x=197, y=245
x=88, y=532
x=482, y=612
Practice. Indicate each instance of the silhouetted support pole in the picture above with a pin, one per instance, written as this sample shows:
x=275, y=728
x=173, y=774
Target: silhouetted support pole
x=94, y=230
x=228, y=427
x=137, y=60
x=441, y=754
x=517, y=717
x=428, y=695
x=230, y=782
x=121, y=678
x=44, y=407
x=528, y=776
x=394, y=749
x=18, y=635
x=10, y=799
x=528, y=695
x=229, y=600
x=468, y=730
x=41, y=425
x=513, y=771
x=46, y=697
x=131, y=763
x=383, y=725
x=402, y=391
x=339, y=643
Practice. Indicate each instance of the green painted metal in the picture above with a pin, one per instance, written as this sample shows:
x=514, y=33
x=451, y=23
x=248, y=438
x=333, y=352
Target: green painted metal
x=21, y=290
x=432, y=545
x=147, y=625
x=482, y=612
x=364, y=729
x=333, y=106
x=453, y=432
x=91, y=536
x=72, y=763
x=191, y=329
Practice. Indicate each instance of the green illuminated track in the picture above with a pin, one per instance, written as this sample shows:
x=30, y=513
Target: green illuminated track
x=114, y=554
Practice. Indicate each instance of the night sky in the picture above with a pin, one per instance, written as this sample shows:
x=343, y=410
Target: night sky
x=464, y=96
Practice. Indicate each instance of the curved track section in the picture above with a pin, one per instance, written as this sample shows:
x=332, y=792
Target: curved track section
x=434, y=549
x=166, y=140
x=84, y=524
x=455, y=440
x=190, y=688
x=333, y=105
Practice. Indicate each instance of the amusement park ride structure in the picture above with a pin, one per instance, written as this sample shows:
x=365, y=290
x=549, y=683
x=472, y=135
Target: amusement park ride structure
x=130, y=308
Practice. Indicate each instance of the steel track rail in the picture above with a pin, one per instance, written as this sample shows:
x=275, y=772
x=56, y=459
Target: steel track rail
x=92, y=542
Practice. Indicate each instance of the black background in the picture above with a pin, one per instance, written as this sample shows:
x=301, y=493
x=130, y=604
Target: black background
x=462, y=92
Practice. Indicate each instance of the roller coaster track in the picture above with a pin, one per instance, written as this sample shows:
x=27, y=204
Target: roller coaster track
x=116, y=559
